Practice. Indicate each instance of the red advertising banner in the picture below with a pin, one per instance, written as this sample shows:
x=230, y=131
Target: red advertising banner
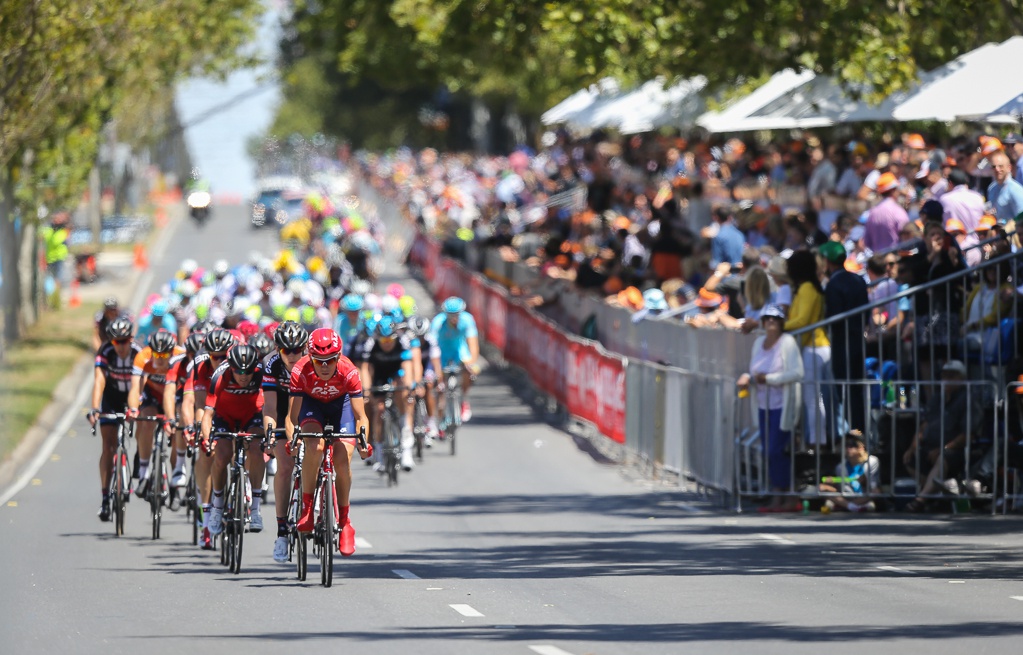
x=497, y=316
x=587, y=381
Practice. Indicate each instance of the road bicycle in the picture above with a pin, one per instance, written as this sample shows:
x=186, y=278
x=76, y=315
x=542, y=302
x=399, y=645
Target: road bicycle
x=159, y=489
x=237, y=499
x=119, y=489
x=193, y=504
x=452, y=376
x=326, y=530
x=390, y=427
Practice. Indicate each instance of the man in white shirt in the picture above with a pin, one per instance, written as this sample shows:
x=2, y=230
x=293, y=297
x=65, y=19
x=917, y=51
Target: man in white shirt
x=961, y=202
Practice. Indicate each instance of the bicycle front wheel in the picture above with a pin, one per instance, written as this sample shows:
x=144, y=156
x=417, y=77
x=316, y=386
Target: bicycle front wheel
x=329, y=534
x=156, y=489
x=238, y=522
x=117, y=494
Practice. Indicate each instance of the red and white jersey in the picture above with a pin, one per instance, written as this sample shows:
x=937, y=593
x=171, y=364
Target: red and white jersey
x=231, y=400
x=345, y=381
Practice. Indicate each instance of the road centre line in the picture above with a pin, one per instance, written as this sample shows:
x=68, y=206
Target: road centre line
x=782, y=541
x=546, y=649
x=465, y=610
x=405, y=574
x=1016, y=597
x=895, y=569
x=362, y=543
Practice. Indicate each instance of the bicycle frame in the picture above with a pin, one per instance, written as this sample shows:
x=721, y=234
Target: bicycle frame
x=236, y=502
x=119, y=487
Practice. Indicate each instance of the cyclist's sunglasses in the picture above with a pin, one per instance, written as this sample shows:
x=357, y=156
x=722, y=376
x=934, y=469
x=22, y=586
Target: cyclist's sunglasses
x=292, y=352
x=238, y=371
x=161, y=355
x=121, y=342
x=325, y=362
x=219, y=356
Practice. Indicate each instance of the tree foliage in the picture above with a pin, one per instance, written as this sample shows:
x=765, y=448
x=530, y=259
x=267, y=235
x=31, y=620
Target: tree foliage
x=71, y=66
x=537, y=52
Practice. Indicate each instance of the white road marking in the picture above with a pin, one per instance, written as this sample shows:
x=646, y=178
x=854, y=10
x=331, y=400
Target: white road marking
x=465, y=610
x=547, y=649
x=434, y=588
x=777, y=539
x=957, y=581
x=362, y=543
x=895, y=569
x=685, y=507
x=405, y=574
x=1016, y=597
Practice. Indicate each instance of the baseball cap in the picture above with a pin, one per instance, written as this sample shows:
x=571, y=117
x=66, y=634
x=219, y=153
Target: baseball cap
x=1012, y=139
x=954, y=366
x=772, y=311
x=833, y=251
x=653, y=299
x=887, y=182
x=915, y=141
x=954, y=225
x=989, y=145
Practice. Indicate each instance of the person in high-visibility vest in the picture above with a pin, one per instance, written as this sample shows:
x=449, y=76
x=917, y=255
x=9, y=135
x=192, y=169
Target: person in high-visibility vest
x=55, y=236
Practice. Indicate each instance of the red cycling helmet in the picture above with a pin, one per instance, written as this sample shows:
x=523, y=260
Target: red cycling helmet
x=324, y=342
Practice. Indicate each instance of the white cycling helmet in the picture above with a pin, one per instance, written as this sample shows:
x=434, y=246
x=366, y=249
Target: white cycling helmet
x=389, y=304
x=187, y=288
x=189, y=267
x=221, y=268
x=372, y=302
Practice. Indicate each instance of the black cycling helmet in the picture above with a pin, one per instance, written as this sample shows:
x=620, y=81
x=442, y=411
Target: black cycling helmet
x=194, y=342
x=243, y=359
x=120, y=328
x=201, y=327
x=262, y=343
x=291, y=336
x=110, y=303
x=162, y=341
x=218, y=341
x=418, y=326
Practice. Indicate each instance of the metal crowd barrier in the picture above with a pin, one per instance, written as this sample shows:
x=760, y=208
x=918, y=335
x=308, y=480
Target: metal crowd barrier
x=891, y=429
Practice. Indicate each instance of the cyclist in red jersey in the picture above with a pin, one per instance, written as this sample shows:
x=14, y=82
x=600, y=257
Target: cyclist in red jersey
x=234, y=403
x=215, y=346
x=150, y=372
x=326, y=390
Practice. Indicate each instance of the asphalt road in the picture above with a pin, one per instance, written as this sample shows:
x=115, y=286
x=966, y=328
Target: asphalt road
x=522, y=543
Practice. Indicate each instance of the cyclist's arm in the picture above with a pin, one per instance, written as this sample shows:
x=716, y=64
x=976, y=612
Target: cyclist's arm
x=474, y=349
x=169, y=399
x=366, y=374
x=98, y=387
x=407, y=372
x=207, y=424
x=188, y=408
x=269, y=409
x=294, y=409
x=135, y=394
x=361, y=420
x=417, y=365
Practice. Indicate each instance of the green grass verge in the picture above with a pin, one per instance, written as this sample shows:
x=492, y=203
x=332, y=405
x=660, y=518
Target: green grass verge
x=34, y=366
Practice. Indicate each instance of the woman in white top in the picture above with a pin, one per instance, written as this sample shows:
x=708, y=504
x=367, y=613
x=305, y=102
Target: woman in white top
x=776, y=369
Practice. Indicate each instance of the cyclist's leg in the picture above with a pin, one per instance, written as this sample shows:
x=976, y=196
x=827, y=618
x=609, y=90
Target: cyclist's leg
x=282, y=486
x=108, y=433
x=256, y=465
x=179, y=452
x=144, y=436
x=343, y=485
x=223, y=449
x=313, y=456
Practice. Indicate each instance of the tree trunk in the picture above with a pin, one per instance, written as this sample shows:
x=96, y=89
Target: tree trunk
x=27, y=264
x=11, y=251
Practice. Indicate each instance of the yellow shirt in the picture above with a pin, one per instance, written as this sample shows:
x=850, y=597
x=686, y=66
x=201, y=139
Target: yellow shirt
x=807, y=308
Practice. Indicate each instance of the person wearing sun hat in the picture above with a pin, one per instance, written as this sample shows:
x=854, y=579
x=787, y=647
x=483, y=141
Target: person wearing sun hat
x=965, y=239
x=845, y=292
x=886, y=218
x=776, y=368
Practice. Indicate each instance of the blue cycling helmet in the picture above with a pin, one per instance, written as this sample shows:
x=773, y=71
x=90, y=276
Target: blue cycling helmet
x=159, y=308
x=370, y=323
x=453, y=305
x=385, y=327
x=352, y=303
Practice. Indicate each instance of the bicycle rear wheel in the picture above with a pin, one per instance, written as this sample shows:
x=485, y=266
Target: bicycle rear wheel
x=194, y=510
x=421, y=425
x=238, y=522
x=227, y=524
x=329, y=534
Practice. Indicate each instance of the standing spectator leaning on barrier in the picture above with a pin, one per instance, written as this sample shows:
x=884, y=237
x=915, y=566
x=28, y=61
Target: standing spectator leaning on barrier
x=55, y=236
x=845, y=292
x=808, y=309
x=776, y=368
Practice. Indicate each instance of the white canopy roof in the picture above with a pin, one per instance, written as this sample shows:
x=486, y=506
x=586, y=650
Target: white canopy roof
x=823, y=101
x=972, y=86
x=677, y=105
x=734, y=117
x=574, y=103
x=1009, y=113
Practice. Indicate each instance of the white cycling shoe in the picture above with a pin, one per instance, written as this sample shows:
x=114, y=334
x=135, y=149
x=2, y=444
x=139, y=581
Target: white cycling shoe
x=216, y=522
x=281, y=550
x=179, y=479
x=255, y=521
x=407, y=462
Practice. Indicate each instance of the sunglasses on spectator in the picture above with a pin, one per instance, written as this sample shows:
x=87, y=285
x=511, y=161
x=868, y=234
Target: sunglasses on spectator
x=291, y=352
x=121, y=342
x=325, y=362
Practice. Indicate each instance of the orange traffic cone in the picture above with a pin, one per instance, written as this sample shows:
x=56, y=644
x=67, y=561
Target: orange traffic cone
x=141, y=260
x=75, y=300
